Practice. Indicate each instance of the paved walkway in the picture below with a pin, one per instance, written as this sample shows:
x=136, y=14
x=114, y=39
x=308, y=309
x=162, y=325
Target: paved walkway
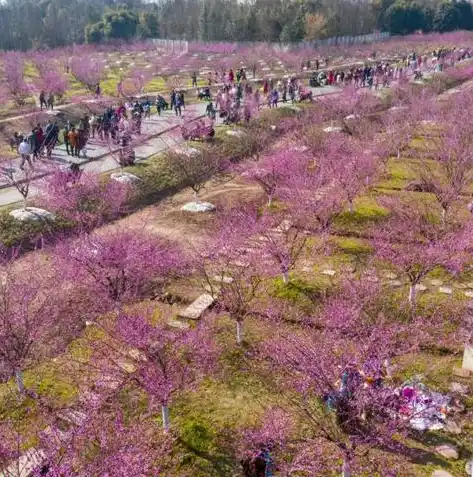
x=99, y=157
x=158, y=133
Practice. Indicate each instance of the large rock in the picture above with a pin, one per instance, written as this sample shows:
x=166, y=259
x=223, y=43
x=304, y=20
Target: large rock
x=32, y=214
x=124, y=177
x=448, y=451
x=196, y=207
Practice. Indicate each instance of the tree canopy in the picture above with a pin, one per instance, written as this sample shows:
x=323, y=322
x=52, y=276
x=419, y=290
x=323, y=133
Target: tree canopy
x=52, y=23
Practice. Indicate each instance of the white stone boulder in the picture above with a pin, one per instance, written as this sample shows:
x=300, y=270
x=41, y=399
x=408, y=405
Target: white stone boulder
x=235, y=133
x=32, y=214
x=186, y=151
x=198, y=207
x=124, y=177
x=333, y=129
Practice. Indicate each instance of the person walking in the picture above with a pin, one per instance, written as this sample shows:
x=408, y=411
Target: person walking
x=42, y=100
x=73, y=141
x=194, y=79
x=51, y=101
x=178, y=105
x=24, y=150
x=65, y=137
x=52, y=134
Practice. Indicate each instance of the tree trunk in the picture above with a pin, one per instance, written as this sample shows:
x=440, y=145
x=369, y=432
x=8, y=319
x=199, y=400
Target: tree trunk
x=19, y=381
x=387, y=367
x=346, y=468
x=350, y=206
x=270, y=200
x=25, y=203
x=399, y=153
x=165, y=414
x=285, y=277
x=412, y=294
x=239, y=332
x=444, y=216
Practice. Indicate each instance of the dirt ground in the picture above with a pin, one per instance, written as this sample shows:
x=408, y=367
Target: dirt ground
x=191, y=230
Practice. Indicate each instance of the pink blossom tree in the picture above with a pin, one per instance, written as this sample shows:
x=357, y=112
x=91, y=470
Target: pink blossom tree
x=351, y=167
x=83, y=198
x=236, y=286
x=88, y=71
x=135, y=82
x=165, y=360
x=119, y=265
x=414, y=244
x=28, y=316
x=123, y=448
x=13, y=70
x=336, y=396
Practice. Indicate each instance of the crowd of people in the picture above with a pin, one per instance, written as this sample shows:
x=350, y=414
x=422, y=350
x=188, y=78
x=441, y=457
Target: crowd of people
x=236, y=99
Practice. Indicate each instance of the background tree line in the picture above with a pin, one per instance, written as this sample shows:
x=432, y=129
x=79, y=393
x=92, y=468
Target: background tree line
x=51, y=23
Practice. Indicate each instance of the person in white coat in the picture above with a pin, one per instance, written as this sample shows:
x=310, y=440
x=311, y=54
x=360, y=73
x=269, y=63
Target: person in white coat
x=24, y=150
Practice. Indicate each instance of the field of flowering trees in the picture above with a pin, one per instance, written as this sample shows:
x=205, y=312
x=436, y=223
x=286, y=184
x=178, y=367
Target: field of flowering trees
x=313, y=324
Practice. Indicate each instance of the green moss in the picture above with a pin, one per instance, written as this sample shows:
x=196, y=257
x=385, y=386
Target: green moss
x=301, y=292
x=351, y=245
x=366, y=211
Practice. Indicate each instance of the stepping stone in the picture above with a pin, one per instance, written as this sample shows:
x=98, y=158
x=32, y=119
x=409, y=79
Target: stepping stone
x=391, y=276
x=329, y=272
x=25, y=464
x=445, y=290
x=59, y=436
x=459, y=388
x=90, y=398
x=469, y=284
x=372, y=279
x=441, y=473
x=452, y=427
x=224, y=279
x=436, y=283
x=307, y=269
x=395, y=283
x=333, y=129
x=461, y=373
x=126, y=365
x=181, y=325
x=137, y=354
x=109, y=382
x=194, y=310
x=448, y=451
x=469, y=293
x=419, y=287
x=73, y=416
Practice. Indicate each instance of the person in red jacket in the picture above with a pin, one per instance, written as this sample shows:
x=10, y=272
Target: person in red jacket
x=231, y=76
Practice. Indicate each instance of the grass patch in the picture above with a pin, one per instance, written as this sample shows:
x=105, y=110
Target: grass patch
x=366, y=212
